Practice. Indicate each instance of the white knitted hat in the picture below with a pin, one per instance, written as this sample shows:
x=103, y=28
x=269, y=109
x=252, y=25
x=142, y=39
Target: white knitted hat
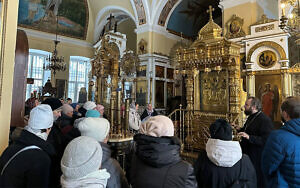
x=82, y=156
x=41, y=117
x=97, y=128
x=89, y=105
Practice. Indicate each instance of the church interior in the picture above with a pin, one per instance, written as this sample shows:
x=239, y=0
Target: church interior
x=194, y=60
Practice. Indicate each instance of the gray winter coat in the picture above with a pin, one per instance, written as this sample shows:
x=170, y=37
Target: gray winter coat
x=117, y=177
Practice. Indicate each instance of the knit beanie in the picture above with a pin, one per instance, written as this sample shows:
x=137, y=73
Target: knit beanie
x=41, y=117
x=158, y=126
x=89, y=105
x=53, y=102
x=82, y=156
x=97, y=128
x=221, y=129
x=92, y=113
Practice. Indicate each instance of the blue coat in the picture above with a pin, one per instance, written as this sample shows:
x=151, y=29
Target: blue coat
x=281, y=156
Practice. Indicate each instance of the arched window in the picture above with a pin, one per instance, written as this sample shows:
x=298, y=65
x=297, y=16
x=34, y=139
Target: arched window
x=78, y=76
x=36, y=62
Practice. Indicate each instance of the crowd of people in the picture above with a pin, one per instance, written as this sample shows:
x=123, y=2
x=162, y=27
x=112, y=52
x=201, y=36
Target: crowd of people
x=66, y=145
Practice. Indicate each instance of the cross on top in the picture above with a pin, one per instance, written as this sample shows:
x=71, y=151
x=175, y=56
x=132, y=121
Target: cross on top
x=110, y=17
x=210, y=10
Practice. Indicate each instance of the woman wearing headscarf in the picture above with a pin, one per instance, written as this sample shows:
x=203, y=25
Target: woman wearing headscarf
x=156, y=161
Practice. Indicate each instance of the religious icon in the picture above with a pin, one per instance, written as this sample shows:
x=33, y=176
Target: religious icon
x=269, y=93
x=234, y=27
x=267, y=59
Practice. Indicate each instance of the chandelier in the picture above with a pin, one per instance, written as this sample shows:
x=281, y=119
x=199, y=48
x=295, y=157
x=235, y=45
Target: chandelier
x=56, y=63
x=291, y=22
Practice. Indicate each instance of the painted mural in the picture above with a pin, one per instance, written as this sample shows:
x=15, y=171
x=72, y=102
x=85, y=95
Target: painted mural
x=190, y=16
x=41, y=15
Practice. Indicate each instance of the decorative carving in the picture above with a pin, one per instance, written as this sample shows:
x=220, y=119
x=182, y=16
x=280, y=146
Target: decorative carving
x=211, y=30
x=140, y=11
x=234, y=27
x=142, y=47
x=264, y=20
x=165, y=12
x=264, y=28
x=274, y=45
x=296, y=84
x=214, y=91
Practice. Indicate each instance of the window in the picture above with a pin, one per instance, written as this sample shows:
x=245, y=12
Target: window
x=78, y=76
x=36, y=61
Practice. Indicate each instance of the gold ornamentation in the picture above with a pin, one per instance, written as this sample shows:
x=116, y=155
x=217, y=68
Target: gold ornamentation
x=265, y=28
x=271, y=44
x=263, y=20
x=214, y=91
x=266, y=59
x=142, y=45
x=234, y=27
x=211, y=30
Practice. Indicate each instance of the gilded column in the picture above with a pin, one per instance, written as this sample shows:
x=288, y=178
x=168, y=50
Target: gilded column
x=286, y=83
x=190, y=90
x=234, y=86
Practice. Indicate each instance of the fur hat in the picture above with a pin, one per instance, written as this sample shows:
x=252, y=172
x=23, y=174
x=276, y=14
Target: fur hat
x=158, y=126
x=53, y=102
x=221, y=129
x=89, y=105
x=92, y=113
x=82, y=156
x=41, y=117
x=97, y=128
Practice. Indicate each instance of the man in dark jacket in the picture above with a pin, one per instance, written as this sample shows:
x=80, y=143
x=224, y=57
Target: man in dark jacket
x=254, y=135
x=148, y=112
x=26, y=163
x=98, y=128
x=281, y=156
x=156, y=161
x=222, y=163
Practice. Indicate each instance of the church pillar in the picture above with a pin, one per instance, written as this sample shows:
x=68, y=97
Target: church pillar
x=234, y=86
x=8, y=44
x=250, y=84
x=286, y=84
x=286, y=79
x=190, y=90
x=197, y=91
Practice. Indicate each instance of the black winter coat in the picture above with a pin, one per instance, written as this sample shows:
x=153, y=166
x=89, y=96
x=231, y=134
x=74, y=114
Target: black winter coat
x=117, y=177
x=157, y=163
x=258, y=126
x=210, y=175
x=30, y=168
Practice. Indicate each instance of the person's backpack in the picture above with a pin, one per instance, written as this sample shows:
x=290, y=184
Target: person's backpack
x=241, y=182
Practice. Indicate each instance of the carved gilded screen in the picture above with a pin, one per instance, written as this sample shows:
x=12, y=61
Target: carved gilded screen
x=214, y=91
x=296, y=84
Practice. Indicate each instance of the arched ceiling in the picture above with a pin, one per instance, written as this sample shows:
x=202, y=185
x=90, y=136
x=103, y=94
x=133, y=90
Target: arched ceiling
x=191, y=15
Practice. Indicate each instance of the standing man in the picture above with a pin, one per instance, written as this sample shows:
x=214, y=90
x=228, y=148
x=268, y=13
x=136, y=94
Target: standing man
x=281, y=156
x=254, y=135
x=149, y=111
x=26, y=163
